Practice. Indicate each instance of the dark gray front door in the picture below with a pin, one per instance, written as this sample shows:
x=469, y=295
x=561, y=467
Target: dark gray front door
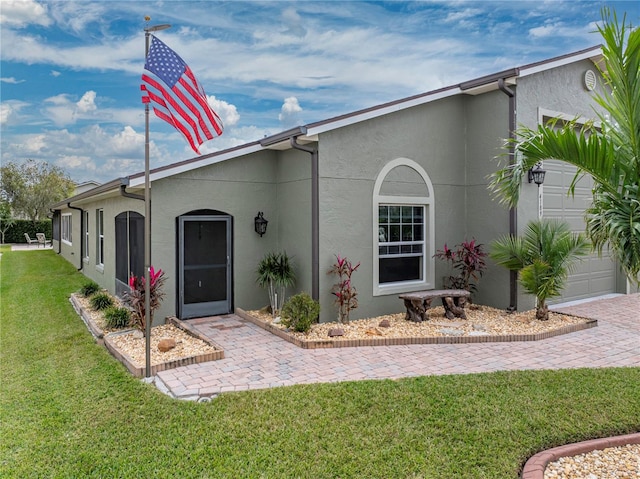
x=204, y=266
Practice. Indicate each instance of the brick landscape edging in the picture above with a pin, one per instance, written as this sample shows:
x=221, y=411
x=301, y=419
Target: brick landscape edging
x=536, y=465
x=139, y=371
x=350, y=343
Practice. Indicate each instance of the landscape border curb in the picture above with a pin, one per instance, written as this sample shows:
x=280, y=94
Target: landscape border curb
x=350, y=343
x=534, y=468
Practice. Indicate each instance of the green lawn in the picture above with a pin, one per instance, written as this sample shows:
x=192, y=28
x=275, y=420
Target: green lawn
x=68, y=409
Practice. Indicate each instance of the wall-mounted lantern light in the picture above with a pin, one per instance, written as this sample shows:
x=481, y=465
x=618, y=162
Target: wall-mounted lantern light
x=260, y=224
x=536, y=175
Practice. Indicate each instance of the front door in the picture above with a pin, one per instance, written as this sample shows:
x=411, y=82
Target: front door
x=204, y=267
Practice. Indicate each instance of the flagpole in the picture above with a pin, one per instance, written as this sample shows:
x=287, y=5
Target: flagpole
x=147, y=212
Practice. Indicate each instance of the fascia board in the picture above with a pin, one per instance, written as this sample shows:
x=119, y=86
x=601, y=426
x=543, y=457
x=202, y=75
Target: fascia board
x=548, y=65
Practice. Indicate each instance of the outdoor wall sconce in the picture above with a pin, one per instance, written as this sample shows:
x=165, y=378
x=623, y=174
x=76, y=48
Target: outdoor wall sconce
x=260, y=224
x=536, y=175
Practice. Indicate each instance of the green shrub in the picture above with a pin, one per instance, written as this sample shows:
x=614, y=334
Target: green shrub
x=100, y=301
x=89, y=289
x=300, y=312
x=117, y=317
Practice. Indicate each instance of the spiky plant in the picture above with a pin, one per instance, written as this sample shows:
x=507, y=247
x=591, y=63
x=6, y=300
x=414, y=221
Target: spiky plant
x=544, y=257
x=275, y=273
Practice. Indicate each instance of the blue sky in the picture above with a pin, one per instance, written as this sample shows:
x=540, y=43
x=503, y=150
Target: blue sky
x=70, y=70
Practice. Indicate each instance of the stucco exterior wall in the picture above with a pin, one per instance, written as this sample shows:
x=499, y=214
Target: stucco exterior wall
x=239, y=188
x=112, y=206
x=294, y=215
x=351, y=159
x=486, y=219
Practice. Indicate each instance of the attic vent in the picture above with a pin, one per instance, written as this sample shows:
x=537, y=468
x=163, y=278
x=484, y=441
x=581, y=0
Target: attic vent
x=590, y=80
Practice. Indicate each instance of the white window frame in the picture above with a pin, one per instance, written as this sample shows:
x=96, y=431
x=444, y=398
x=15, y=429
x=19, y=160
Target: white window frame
x=428, y=202
x=86, y=235
x=100, y=238
x=66, y=228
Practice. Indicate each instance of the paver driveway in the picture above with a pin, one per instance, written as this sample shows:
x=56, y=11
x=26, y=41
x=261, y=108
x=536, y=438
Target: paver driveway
x=257, y=359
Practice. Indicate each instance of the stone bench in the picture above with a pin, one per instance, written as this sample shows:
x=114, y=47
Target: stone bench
x=418, y=302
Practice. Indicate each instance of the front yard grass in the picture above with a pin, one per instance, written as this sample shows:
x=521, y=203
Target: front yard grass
x=68, y=409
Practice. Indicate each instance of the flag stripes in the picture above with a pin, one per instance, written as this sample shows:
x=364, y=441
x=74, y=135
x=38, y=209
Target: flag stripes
x=177, y=97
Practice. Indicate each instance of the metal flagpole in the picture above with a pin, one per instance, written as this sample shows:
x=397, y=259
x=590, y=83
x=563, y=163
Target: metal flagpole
x=147, y=212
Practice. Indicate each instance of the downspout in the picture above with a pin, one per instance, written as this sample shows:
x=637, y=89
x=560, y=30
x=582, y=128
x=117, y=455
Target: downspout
x=513, y=212
x=81, y=230
x=315, y=217
x=126, y=194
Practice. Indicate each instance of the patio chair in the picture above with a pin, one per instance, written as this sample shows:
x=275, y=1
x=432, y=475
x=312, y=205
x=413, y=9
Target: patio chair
x=42, y=240
x=29, y=240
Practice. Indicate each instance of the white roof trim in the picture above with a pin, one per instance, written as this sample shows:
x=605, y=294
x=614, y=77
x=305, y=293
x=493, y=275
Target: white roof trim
x=548, y=65
x=192, y=165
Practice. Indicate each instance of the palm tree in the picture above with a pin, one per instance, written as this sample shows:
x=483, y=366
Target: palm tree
x=608, y=150
x=544, y=256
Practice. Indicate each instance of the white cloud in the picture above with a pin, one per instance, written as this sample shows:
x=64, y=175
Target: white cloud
x=20, y=13
x=11, y=80
x=227, y=112
x=290, y=112
x=89, y=153
x=87, y=103
x=59, y=109
x=544, y=31
x=55, y=73
x=75, y=162
x=293, y=22
x=10, y=110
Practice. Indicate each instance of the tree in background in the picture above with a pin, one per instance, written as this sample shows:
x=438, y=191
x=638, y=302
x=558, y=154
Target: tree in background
x=31, y=187
x=609, y=150
x=6, y=219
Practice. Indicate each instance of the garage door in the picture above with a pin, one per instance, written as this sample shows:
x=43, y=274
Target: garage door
x=593, y=276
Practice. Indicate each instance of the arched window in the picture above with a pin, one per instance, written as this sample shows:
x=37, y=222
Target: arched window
x=403, y=229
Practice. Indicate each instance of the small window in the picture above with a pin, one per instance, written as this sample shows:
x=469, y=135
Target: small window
x=100, y=237
x=86, y=235
x=65, y=228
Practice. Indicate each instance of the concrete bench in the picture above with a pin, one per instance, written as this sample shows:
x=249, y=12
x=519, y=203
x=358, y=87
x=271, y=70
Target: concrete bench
x=418, y=302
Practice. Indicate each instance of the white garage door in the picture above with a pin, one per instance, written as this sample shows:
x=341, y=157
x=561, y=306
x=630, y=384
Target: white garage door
x=593, y=276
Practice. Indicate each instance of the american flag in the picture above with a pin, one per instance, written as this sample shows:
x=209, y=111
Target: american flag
x=177, y=97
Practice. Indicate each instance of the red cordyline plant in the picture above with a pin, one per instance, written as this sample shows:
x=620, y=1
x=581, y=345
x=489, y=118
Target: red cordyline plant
x=467, y=259
x=135, y=297
x=343, y=290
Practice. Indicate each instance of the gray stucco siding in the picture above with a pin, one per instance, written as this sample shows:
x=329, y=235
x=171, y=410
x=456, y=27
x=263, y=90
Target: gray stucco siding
x=113, y=206
x=239, y=188
x=351, y=160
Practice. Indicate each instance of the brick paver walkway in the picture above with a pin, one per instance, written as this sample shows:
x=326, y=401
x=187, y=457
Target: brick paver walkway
x=257, y=359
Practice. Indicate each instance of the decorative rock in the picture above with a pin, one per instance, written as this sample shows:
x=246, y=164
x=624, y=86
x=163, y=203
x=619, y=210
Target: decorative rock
x=479, y=327
x=166, y=344
x=479, y=333
x=384, y=323
x=449, y=324
x=451, y=332
x=336, y=332
x=137, y=334
x=373, y=332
